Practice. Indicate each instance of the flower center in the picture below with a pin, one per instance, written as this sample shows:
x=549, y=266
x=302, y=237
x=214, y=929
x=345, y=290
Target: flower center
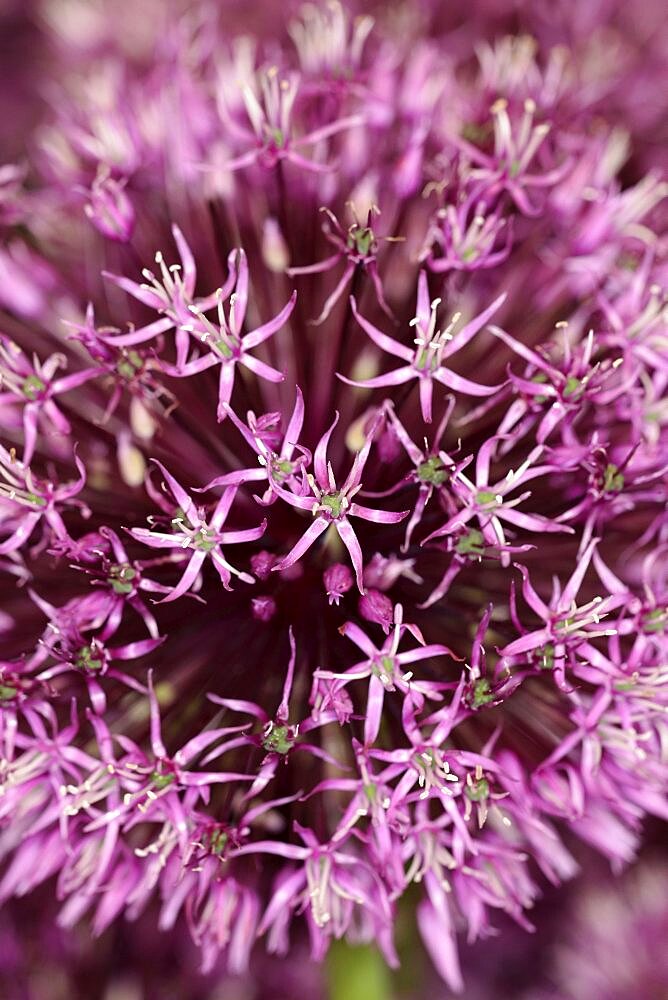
x=226, y=346
x=471, y=544
x=384, y=668
x=215, y=840
x=486, y=498
x=279, y=739
x=546, y=657
x=432, y=471
x=655, y=621
x=477, y=791
x=281, y=468
x=89, y=659
x=120, y=578
x=204, y=541
x=333, y=504
x=433, y=772
x=360, y=239
x=32, y=387
x=130, y=364
x=482, y=693
x=161, y=780
x=277, y=138
x=573, y=387
x=613, y=479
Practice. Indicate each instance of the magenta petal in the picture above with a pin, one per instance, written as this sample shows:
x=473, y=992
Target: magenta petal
x=349, y=539
x=144, y=295
x=423, y=305
x=183, y=500
x=374, y=709
x=332, y=299
x=534, y=640
x=319, y=268
x=304, y=544
x=261, y=369
x=187, y=260
x=461, y=384
x=133, y=650
x=142, y=335
x=385, y=343
x=320, y=457
x=294, y=428
x=190, y=575
x=397, y=377
x=426, y=397
x=378, y=516
x=268, y=329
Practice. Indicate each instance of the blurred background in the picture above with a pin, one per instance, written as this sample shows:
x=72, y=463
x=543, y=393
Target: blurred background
x=598, y=938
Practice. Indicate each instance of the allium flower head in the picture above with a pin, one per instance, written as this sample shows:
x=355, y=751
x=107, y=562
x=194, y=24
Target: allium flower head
x=333, y=533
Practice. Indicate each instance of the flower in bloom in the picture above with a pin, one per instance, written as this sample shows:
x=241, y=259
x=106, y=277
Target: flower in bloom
x=433, y=467
x=29, y=501
x=202, y=536
x=227, y=346
x=274, y=465
x=385, y=670
x=358, y=247
x=292, y=653
x=32, y=386
x=425, y=361
x=330, y=504
x=172, y=293
x=268, y=102
x=516, y=144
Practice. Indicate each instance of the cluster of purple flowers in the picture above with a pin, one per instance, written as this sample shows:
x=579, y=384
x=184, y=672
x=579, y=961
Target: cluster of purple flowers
x=407, y=624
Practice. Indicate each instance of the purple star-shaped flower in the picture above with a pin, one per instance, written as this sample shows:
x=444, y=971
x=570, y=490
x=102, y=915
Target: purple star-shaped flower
x=203, y=536
x=333, y=505
x=432, y=348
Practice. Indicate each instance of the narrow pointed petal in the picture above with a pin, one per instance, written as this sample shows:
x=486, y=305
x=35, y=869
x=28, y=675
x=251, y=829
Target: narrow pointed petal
x=461, y=384
x=261, y=369
x=320, y=456
x=378, y=516
x=387, y=344
x=349, y=539
x=267, y=330
x=305, y=542
x=398, y=377
x=469, y=331
x=426, y=397
x=190, y=575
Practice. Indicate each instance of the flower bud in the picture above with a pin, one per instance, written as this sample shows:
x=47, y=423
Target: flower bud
x=377, y=607
x=263, y=608
x=261, y=564
x=338, y=580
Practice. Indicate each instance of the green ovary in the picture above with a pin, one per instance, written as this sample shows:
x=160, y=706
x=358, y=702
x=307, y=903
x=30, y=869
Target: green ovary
x=333, y=503
x=432, y=471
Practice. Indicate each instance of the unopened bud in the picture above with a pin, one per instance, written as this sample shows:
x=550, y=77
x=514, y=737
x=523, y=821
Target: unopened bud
x=262, y=563
x=264, y=608
x=338, y=580
x=377, y=607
